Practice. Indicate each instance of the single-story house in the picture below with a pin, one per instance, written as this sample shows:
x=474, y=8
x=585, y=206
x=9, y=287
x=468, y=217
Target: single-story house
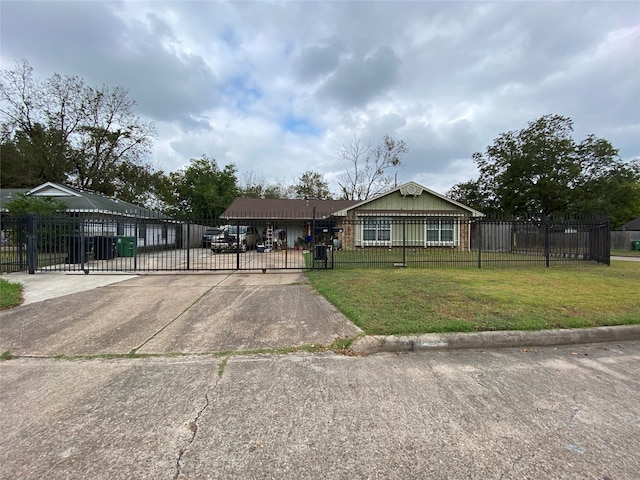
x=296, y=216
x=409, y=214
x=103, y=216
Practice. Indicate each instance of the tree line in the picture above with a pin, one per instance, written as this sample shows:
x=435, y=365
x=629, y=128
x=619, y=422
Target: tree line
x=541, y=170
x=65, y=131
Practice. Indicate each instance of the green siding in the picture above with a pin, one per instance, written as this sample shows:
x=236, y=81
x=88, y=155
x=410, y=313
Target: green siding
x=424, y=202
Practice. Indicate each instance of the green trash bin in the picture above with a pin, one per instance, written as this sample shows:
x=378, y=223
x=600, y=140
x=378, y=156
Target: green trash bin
x=126, y=246
x=635, y=245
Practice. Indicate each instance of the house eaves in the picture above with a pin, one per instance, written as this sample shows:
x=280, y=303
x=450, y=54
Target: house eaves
x=86, y=202
x=410, y=189
x=283, y=208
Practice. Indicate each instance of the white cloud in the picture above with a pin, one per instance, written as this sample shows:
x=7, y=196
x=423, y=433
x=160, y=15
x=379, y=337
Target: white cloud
x=276, y=88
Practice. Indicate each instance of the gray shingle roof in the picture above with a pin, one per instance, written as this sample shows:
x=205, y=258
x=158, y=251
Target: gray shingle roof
x=82, y=201
x=281, y=208
x=632, y=225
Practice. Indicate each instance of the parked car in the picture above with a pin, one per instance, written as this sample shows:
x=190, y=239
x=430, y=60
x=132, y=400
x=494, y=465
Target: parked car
x=233, y=238
x=208, y=234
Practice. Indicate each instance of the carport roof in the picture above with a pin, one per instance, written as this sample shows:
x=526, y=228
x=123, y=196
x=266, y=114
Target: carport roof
x=282, y=209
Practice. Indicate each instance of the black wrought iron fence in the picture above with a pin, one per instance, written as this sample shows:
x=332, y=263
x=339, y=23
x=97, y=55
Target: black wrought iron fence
x=459, y=242
x=13, y=244
x=135, y=244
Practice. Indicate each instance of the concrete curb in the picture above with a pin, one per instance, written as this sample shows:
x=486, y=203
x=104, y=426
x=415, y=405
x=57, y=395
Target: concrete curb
x=482, y=340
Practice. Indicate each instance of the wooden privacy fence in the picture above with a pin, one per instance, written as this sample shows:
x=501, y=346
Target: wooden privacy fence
x=623, y=240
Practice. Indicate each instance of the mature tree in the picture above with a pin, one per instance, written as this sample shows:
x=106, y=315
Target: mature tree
x=469, y=193
x=202, y=190
x=64, y=131
x=110, y=136
x=44, y=115
x=614, y=192
x=540, y=170
x=143, y=185
x=255, y=186
x=30, y=159
x=252, y=185
x=367, y=174
x=312, y=185
x=276, y=190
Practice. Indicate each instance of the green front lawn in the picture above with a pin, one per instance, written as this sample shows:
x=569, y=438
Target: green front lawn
x=441, y=257
x=625, y=253
x=10, y=294
x=423, y=300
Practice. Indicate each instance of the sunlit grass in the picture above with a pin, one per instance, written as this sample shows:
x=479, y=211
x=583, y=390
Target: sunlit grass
x=411, y=301
x=10, y=294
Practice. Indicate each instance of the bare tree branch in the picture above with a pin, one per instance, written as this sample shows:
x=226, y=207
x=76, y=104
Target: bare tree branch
x=367, y=174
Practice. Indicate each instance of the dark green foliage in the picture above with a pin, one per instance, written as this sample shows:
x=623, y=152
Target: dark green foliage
x=23, y=204
x=201, y=190
x=541, y=170
x=32, y=158
x=63, y=131
x=312, y=185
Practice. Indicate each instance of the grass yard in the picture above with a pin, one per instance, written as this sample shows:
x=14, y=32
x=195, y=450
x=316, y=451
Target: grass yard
x=440, y=257
x=10, y=294
x=626, y=253
x=424, y=300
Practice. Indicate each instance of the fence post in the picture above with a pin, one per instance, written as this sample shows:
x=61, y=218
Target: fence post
x=404, y=241
x=238, y=244
x=83, y=247
x=32, y=257
x=188, y=245
x=136, y=226
x=607, y=241
x=547, y=240
x=479, y=220
x=313, y=240
x=20, y=241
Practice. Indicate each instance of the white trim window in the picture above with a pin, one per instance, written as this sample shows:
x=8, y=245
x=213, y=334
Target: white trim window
x=376, y=231
x=441, y=232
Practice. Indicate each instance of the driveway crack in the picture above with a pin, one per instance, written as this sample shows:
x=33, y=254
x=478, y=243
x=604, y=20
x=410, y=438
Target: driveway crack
x=193, y=425
x=193, y=428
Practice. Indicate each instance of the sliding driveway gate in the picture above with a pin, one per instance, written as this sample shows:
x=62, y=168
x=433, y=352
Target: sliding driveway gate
x=136, y=244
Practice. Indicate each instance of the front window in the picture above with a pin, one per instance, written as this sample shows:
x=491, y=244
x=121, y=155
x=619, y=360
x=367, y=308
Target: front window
x=441, y=232
x=376, y=230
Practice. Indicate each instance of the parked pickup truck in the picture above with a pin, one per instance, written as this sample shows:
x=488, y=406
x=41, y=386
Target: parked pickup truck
x=234, y=238
x=208, y=234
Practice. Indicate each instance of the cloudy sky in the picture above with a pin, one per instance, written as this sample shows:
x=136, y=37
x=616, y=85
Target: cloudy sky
x=278, y=87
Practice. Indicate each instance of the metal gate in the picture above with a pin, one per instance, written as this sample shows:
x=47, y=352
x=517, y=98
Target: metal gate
x=104, y=244
x=600, y=242
x=136, y=244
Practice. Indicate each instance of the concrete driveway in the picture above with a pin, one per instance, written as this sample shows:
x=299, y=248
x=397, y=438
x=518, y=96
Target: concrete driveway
x=557, y=412
x=167, y=314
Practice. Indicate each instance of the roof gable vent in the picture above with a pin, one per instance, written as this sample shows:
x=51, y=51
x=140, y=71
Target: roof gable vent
x=411, y=190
